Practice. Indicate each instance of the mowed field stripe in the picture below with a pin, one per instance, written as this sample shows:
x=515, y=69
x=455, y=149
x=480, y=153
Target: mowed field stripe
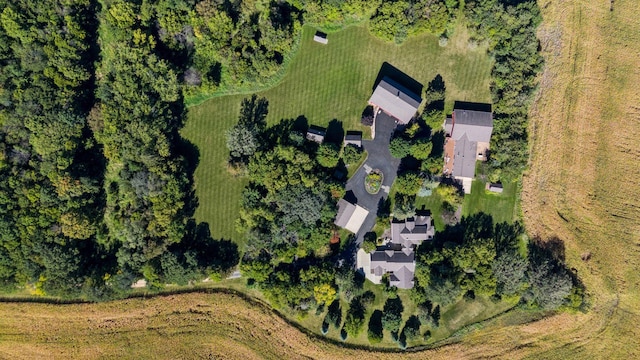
x=322, y=83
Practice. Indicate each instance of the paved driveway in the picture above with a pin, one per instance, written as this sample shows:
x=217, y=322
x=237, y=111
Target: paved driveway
x=379, y=158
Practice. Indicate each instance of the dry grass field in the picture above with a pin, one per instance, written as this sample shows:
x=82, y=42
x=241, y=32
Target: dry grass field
x=582, y=187
x=187, y=326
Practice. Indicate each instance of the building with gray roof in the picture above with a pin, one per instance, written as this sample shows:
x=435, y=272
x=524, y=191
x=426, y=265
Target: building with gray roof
x=350, y=216
x=411, y=232
x=397, y=258
x=316, y=134
x=395, y=99
x=353, y=138
x=468, y=137
x=399, y=264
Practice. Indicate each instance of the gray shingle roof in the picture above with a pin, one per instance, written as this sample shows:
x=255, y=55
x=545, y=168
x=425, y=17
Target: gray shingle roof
x=478, y=125
x=353, y=138
x=464, y=161
x=400, y=264
x=316, y=134
x=395, y=99
x=350, y=216
x=412, y=231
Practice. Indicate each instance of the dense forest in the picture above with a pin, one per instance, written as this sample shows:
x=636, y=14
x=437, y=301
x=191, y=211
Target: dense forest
x=96, y=185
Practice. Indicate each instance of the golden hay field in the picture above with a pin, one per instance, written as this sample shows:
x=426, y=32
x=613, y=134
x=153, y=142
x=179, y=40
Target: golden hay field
x=583, y=187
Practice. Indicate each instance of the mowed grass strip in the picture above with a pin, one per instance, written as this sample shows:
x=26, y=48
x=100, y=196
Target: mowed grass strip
x=218, y=191
x=501, y=207
x=323, y=83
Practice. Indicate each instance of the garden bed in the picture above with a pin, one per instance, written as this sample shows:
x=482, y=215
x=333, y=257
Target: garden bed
x=373, y=181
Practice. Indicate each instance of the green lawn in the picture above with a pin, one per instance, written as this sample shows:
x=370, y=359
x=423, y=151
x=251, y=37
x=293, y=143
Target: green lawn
x=434, y=204
x=218, y=192
x=325, y=82
x=501, y=206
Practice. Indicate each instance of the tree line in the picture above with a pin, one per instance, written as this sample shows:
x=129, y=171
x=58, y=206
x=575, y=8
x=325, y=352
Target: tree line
x=477, y=257
x=94, y=184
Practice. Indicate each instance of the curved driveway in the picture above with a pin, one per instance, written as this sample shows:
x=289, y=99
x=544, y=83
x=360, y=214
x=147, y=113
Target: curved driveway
x=379, y=157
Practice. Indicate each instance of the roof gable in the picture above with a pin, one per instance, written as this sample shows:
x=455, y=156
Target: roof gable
x=477, y=125
x=464, y=161
x=395, y=99
x=350, y=216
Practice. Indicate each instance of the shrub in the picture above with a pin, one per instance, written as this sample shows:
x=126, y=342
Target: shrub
x=399, y=147
x=404, y=207
x=367, y=298
x=421, y=149
x=296, y=138
x=424, y=311
x=334, y=314
x=369, y=245
x=355, y=319
x=408, y=183
x=374, y=333
x=324, y=294
x=351, y=154
x=328, y=155
x=411, y=328
x=367, y=116
x=392, y=315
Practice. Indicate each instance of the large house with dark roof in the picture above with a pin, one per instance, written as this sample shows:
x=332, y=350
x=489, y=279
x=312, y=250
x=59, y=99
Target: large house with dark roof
x=468, y=133
x=397, y=257
x=411, y=232
x=395, y=99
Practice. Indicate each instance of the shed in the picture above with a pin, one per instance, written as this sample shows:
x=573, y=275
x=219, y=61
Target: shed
x=316, y=134
x=353, y=138
x=350, y=216
x=395, y=99
x=321, y=38
x=496, y=188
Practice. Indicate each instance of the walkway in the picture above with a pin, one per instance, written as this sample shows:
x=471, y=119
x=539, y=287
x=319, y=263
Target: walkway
x=379, y=157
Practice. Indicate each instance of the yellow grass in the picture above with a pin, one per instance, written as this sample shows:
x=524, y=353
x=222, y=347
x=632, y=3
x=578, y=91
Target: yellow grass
x=583, y=187
x=188, y=326
x=584, y=180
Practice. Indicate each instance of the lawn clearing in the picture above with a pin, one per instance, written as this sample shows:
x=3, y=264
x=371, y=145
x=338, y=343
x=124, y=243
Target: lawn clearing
x=501, y=207
x=432, y=203
x=323, y=83
x=218, y=191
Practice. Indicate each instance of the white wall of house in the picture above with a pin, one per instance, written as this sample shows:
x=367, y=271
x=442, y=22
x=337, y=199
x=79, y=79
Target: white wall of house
x=363, y=263
x=466, y=184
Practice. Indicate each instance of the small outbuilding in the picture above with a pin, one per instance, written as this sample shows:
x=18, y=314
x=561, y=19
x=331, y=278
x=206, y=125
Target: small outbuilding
x=350, y=216
x=321, y=38
x=316, y=134
x=496, y=188
x=353, y=138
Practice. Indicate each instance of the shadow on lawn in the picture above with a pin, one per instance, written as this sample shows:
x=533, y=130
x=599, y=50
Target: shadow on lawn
x=397, y=75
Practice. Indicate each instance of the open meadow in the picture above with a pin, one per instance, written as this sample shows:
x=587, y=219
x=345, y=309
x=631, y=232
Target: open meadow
x=323, y=83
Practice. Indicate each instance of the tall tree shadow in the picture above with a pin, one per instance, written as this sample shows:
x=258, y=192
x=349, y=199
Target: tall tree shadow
x=400, y=77
x=217, y=254
x=335, y=132
x=465, y=105
x=435, y=94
